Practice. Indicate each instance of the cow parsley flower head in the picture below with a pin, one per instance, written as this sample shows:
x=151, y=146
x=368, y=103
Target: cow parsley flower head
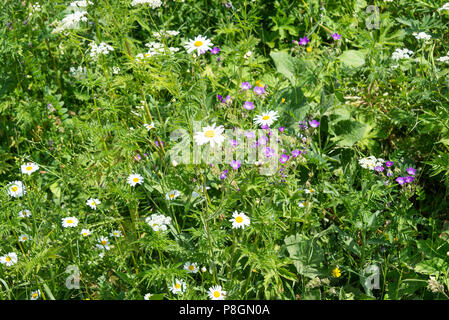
x=99, y=49
x=158, y=222
x=71, y=21
x=154, y=4
x=399, y=54
x=422, y=36
x=371, y=162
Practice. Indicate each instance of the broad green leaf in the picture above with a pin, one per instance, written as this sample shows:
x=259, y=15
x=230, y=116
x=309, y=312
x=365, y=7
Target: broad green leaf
x=353, y=58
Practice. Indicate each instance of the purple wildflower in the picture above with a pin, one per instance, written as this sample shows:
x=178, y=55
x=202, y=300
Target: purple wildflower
x=218, y=59
x=389, y=173
x=215, y=50
x=157, y=143
x=389, y=163
x=379, y=168
x=296, y=153
x=246, y=86
x=220, y=97
x=264, y=127
x=314, y=123
x=234, y=143
x=262, y=141
x=284, y=158
x=248, y=105
x=303, y=125
x=269, y=152
x=411, y=171
x=400, y=180
x=138, y=157
x=336, y=36
x=409, y=179
x=259, y=90
x=304, y=41
x=281, y=129
x=235, y=164
x=250, y=134
x=224, y=175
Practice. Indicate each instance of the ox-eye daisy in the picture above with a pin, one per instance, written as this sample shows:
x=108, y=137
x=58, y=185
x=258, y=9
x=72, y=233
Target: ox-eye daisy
x=9, y=259
x=147, y=296
x=191, y=267
x=178, y=286
x=93, y=203
x=16, y=189
x=172, y=195
x=69, y=222
x=200, y=44
x=134, y=179
x=266, y=118
x=85, y=232
x=35, y=295
x=116, y=233
x=149, y=126
x=29, y=168
x=103, y=243
x=211, y=134
x=24, y=213
x=239, y=220
x=216, y=293
x=24, y=237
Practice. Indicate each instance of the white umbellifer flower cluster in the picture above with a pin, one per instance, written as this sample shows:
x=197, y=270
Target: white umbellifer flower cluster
x=399, y=54
x=71, y=21
x=158, y=222
x=371, y=162
x=102, y=48
x=444, y=58
x=168, y=33
x=78, y=73
x=80, y=4
x=444, y=7
x=434, y=286
x=35, y=8
x=422, y=36
x=155, y=48
x=152, y=3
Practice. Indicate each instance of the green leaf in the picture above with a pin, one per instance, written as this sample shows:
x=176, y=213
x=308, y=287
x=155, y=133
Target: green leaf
x=353, y=58
x=432, y=267
x=285, y=65
x=307, y=256
x=348, y=132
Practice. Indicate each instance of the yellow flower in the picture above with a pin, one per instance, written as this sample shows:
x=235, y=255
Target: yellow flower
x=283, y=100
x=336, y=272
x=309, y=49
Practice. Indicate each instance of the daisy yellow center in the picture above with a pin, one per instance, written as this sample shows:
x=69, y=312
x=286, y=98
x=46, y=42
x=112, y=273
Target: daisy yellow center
x=69, y=221
x=24, y=238
x=216, y=294
x=85, y=234
x=34, y=295
x=172, y=196
x=209, y=134
x=8, y=259
x=93, y=203
x=154, y=224
x=29, y=168
x=177, y=286
x=191, y=268
x=104, y=242
x=239, y=219
x=198, y=43
x=14, y=189
x=147, y=54
x=266, y=117
x=136, y=180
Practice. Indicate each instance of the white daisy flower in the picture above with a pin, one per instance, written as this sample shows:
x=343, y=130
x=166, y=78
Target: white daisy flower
x=172, y=195
x=200, y=44
x=178, y=287
x=116, y=233
x=191, y=267
x=35, y=295
x=16, y=189
x=69, y=222
x=24, y=213
x=24, y=237
x=147, y=296
x=103, y=243
x=149, y=126
x=309, y=191
x=29, y=168
x=93, y=203
x=9, y=259
x=239, y=220
x=217, y=293
x=134, y=179
x=267, y=118
x=85, y=232
x=211, y=134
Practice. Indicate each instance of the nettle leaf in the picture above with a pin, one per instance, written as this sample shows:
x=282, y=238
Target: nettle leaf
x=353, y=58
x=307, y=256
x=285, y=64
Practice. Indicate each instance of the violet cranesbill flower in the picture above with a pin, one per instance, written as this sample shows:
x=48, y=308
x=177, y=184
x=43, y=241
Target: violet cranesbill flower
x=235, y=164
x=259, y=90
x=303, y=125
x=336, y=36
x=379, y=168
x=245, y=86
x=284, y=158
x=400, y=180
x=250, y=135
x=409, y=179
x=411, y=171
x=281, y=129
x=303, y=41
x=234, y=143
x=269, y=152
x=157, y=143
x=224, y=175
x=215, y=50
x=248, y=105
x=314, y=123
x=265, y=127
x=296, y=153
x=220, y=97
x=389, y=163
x=389, y=173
